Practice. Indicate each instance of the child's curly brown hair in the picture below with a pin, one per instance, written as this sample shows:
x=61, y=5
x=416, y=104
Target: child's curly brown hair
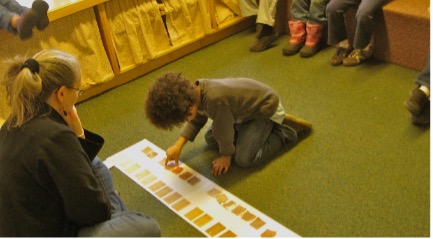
x=169, y=100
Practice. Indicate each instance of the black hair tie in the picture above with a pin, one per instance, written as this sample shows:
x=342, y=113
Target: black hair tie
x=32, y=64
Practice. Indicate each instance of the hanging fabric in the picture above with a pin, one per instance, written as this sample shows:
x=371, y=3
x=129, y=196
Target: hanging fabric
x=137, y=29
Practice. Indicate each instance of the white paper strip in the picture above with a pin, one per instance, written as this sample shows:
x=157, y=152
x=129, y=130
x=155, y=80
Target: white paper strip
x=202, y=203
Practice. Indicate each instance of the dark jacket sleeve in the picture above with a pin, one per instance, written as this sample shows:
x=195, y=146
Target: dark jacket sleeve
x=193, y=127
x=68, y=163
x=92, y=144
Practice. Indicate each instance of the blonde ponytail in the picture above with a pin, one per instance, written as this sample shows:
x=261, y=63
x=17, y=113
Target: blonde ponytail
x=22, y=88
x=29, y=82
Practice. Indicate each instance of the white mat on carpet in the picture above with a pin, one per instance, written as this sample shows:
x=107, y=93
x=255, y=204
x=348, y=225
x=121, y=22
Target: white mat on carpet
x=202, y=203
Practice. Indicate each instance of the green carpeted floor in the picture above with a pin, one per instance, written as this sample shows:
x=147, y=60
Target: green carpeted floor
x=364, y=171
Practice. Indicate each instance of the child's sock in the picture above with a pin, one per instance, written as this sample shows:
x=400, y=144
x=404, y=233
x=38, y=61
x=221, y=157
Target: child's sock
x=426, y=90
x=41, y=8
x=344, y=44
x=25, y=24
x=265, y=31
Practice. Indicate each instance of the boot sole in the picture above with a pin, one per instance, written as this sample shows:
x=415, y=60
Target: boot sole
x=302, y=127
x=291, y=118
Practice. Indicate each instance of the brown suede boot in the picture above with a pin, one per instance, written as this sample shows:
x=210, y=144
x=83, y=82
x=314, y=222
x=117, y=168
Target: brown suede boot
x=297, y=38
x=314, y=35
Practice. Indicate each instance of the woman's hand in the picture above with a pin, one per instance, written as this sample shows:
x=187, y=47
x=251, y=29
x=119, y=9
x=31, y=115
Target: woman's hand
x=74, y=122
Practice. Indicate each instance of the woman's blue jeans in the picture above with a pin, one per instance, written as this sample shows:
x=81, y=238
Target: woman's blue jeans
x=123, y=223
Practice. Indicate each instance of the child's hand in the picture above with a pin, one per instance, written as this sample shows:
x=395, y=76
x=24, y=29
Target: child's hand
x=221, y=165
x=173, y=153
x=74, y=122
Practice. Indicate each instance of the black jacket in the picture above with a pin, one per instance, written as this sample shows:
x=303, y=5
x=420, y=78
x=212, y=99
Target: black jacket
x=47, y=185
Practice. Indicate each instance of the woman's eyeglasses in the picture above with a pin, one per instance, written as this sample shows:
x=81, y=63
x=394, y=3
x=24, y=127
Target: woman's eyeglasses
x=79, y=91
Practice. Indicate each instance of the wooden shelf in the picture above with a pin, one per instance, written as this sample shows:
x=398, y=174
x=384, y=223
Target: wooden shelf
x=62, y=8
x=229, y=28
x=67, y=8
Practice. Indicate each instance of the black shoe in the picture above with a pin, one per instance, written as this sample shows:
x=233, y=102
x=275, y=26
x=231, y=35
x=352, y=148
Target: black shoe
x=263, y=43
x=423, y=119
x=25, y=24
x=340, y=54
x=416, y=102
x=41, y=8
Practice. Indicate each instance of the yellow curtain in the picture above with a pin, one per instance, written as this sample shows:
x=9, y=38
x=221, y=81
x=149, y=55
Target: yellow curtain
x=226, y=10
x=137, y=29
x=187, y=20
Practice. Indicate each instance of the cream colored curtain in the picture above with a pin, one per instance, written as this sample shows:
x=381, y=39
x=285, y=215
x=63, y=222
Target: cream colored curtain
x=226, y=10
x=77, y=34
x=137, y=29
x=187, y=20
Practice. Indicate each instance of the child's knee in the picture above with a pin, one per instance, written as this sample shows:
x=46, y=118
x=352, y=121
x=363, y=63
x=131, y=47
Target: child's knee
x=244, y=160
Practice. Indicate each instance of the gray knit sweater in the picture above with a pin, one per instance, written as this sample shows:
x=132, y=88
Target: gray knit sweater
x=228, y=102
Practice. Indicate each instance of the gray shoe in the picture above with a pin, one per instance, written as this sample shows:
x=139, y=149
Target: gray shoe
x=263, y=43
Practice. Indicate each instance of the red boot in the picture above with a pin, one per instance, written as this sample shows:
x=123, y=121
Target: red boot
x=314, y=35
x=297, y=38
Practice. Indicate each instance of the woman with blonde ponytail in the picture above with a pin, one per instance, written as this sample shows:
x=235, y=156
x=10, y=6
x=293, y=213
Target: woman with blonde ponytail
x=51, y=182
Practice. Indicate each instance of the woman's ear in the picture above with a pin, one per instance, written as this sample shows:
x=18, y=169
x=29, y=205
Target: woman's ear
x=60, y=94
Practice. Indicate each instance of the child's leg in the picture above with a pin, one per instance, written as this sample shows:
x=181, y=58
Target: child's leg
x=317, y=12
x=336, y=27
x=25, y=24
x=365, y=22
x=13, y=6
x=423, y=78
x=267, y=11
x=248, y=7
x=299, y=10
x=15, y=18
x=6, y=19
x=256, y=143
x=210, y=139
x=420, y=96
x=316, y=22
